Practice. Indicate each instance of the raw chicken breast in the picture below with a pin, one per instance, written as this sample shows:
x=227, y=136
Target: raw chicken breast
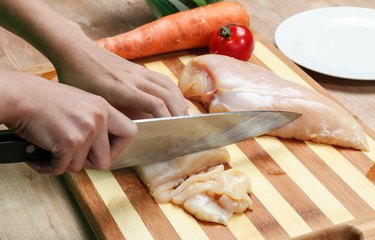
x=199, y=183
x=224, y=84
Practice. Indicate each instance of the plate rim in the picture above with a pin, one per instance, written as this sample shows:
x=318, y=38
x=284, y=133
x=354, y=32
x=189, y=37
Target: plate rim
x=278, y=35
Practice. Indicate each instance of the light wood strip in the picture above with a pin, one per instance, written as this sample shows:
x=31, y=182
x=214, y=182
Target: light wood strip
x=353, y=177
x=276, y=65
x=184, y=224
x=185, y=59
x=371, y=153
x=287, y=217
x=236, y=226
x=316, y=191
x=126, y=217
x=160, y=67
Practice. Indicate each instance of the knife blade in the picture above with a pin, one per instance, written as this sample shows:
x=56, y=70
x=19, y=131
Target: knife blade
x=161, y=139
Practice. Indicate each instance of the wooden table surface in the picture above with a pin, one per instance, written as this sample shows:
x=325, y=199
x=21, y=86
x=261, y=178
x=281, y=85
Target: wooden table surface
x=42, y=207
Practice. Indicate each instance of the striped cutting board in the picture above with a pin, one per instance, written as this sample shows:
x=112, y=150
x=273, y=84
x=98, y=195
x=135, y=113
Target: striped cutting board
x=299, y=188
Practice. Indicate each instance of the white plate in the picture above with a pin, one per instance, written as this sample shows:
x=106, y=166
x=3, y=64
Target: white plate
x=336, y=41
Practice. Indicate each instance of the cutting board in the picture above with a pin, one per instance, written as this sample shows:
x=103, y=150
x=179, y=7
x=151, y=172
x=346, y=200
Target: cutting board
x=300, y=189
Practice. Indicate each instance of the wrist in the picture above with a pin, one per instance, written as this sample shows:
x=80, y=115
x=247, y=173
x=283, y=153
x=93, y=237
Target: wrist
x=64, y=43
x=69, y=48
x=10, y=100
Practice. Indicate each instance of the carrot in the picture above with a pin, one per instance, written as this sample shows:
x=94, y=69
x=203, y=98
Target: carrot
x=180, y=31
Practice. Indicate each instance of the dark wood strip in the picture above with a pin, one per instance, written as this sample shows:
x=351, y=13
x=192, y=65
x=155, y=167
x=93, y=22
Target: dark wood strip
x=175, y=66
x=216, y=231
x=265, y=222
x=344, y=193
x=303, y=205
x=371, y=173
x=360, y=160
x=149, y=211
x=93, y=207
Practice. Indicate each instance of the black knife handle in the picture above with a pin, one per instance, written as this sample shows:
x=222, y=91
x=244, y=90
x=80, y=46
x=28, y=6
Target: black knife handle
x=14, y=149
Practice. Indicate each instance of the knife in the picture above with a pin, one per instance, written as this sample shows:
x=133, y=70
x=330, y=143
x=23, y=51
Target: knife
x=161, y=139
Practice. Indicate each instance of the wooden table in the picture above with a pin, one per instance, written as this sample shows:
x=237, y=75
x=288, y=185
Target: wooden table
x=42, y=207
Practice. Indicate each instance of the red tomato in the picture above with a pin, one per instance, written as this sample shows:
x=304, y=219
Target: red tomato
x=233, y=40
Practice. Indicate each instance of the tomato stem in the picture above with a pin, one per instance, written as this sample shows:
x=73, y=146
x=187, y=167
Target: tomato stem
x=225, y=32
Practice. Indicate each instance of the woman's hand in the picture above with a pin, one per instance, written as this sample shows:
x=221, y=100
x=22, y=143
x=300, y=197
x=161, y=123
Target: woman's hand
x=82, y=130
x=124, y=84
x=80, y=62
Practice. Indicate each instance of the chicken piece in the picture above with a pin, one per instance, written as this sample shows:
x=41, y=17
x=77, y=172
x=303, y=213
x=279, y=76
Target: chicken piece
x=157, y=174
x=216, y=181
x=223, y=84
x=205, y=208
x=200, y=185
x=216, y=196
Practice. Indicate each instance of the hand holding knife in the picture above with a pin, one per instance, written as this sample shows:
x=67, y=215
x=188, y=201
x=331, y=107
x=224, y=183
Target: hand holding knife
x=161, y=139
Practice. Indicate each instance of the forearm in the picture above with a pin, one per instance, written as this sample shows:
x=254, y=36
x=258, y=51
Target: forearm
x=37, y=23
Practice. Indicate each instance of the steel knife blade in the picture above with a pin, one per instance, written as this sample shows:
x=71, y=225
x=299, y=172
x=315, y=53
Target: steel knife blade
x=161, y=139
x=158, y=140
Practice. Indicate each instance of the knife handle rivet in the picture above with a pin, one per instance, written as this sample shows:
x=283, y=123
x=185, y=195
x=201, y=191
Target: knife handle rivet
x=30, y=149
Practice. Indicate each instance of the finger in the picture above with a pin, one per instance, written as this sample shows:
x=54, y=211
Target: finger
x=81, y=156
x=121, y=131
x=175, y=107
x=132, y=113
x=56, y=165
x=175, y=92
x=37, y=165
x=145, y=102
x=99, y=154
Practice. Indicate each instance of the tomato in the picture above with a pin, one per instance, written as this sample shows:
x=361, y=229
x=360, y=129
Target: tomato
x=233, y=40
